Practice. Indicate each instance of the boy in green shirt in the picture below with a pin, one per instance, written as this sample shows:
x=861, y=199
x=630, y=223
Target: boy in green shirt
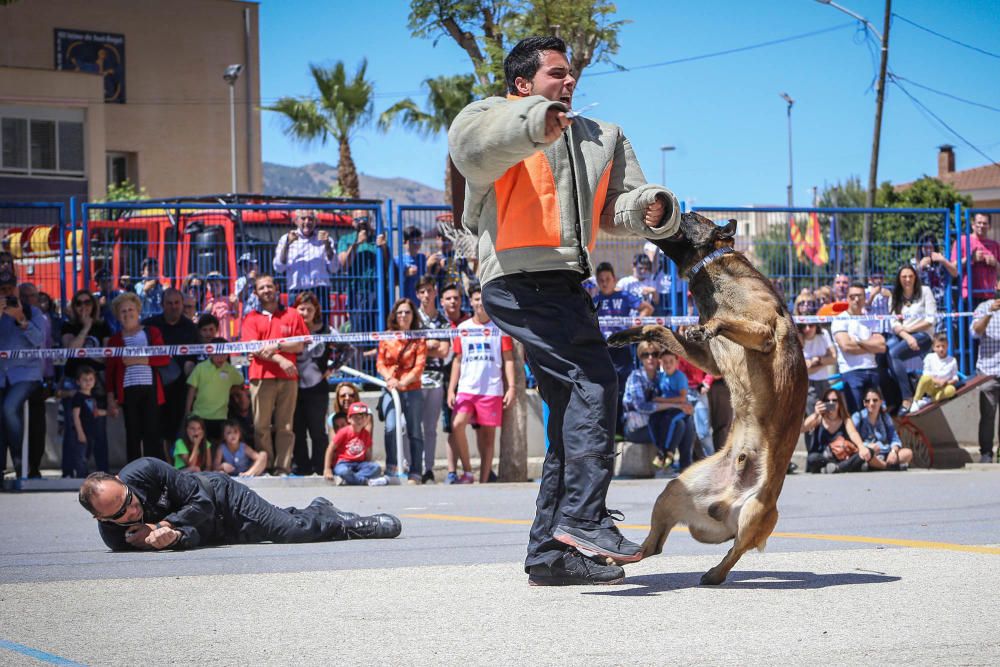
x=208, y=391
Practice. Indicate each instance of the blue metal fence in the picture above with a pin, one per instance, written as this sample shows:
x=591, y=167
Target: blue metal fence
x=38, y=239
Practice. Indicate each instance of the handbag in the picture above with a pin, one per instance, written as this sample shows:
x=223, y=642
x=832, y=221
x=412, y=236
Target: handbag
x=842, y=448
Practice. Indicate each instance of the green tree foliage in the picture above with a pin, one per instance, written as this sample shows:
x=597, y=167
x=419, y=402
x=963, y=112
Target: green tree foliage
x=124, y=191
x=485, y=29
x=342, y=106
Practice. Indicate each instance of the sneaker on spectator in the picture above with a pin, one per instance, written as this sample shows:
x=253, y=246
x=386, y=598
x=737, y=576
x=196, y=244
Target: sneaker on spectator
x=865, y=467
x=903, y=467
x=378, y=481
x=338, y=480
x=492, y=478
x=986, y=458
x=413, y=479
x=466, y=478
x=428, y=478
x=922, y=403
x=452, y=478
x=658, y=462
x=830, y=468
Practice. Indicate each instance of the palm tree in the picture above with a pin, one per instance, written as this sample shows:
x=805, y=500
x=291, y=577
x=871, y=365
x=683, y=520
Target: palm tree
x=342, y=107
x=446, y=97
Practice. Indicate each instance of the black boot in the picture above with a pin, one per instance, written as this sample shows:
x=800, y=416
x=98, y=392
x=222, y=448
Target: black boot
x=575, y=569
x=377, y=526
x=604, y=540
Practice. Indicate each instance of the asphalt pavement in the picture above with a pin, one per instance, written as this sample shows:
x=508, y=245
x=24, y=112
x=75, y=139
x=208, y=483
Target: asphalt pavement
x=888, y=567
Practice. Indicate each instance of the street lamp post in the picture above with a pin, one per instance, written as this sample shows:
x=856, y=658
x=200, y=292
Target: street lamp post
x=663, y=163
x=231, y=74
x=883, y=38
x=791, y=196
x=791, y=102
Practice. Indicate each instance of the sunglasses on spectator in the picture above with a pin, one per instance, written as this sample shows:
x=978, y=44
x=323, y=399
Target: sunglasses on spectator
x=121, y=512
x=855, y=296
x=873, y=400
x=84, y=302
x=648, y=355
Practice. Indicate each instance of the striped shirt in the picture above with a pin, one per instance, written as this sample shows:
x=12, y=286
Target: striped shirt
x=139, y=374
x=988, y=362
x=307, y=264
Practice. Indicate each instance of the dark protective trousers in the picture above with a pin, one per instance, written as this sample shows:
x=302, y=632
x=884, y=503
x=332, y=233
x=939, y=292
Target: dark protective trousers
x=554, y=318
x=246, y=518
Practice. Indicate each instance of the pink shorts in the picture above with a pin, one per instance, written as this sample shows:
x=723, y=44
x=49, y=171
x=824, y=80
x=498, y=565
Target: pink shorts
x=486, y=410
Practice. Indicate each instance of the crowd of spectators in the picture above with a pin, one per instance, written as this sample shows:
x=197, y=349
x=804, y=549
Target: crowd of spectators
x=276, y=417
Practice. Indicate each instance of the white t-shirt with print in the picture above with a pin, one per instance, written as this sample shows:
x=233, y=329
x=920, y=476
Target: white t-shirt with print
x=482, y=359
x=940, y=369
x=817, y=346
x=858, y=330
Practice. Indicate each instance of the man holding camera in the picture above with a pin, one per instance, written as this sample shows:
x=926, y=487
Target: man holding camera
x=358, y=256
x=307, y=258
x=20, y=329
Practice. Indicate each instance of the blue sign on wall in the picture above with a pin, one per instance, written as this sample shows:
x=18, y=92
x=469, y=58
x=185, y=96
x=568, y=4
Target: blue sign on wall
x=100, y=53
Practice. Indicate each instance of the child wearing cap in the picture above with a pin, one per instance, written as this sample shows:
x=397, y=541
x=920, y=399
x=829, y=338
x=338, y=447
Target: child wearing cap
x=349, y=453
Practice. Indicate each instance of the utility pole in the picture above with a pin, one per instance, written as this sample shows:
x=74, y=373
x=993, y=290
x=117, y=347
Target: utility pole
x=866, y=230
x=883, y=38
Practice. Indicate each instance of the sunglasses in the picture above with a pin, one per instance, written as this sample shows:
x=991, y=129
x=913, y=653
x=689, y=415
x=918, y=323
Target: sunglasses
x=649, y=355
x=121, y=512
x=84, y=302
x=873, y=400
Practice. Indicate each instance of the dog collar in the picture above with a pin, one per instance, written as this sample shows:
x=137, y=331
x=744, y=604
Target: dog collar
x=708, y=259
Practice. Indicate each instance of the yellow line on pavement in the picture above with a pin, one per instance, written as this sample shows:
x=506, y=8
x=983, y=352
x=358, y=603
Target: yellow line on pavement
x=910, y=544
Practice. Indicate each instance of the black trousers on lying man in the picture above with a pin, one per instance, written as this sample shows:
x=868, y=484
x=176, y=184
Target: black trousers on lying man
x=151, y=505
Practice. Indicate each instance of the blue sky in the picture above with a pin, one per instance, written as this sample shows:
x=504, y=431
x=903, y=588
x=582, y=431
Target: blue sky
x=723, y=114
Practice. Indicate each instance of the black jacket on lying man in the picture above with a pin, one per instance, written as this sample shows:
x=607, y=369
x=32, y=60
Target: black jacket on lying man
x=151, y=505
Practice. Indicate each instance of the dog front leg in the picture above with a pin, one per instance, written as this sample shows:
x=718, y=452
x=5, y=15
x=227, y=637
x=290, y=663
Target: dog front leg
x=755, y=525
x=751, y=335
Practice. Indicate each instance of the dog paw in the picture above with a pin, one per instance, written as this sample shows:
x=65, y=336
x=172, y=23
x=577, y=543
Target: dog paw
x=698, y=334
x=711, y=578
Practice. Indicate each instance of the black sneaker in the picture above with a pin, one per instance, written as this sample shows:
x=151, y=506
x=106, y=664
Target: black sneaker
x=575, y=569
x=603, y=541
x=377, y=526
x=428, y=478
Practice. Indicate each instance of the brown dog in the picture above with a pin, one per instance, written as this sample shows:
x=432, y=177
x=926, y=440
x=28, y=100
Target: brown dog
x=746, y=335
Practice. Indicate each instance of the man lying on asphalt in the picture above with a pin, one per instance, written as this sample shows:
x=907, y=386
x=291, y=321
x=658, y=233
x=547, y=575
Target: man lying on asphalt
x=151, y=505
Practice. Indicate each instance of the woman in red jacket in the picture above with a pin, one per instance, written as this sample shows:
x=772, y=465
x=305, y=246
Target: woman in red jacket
x=134, y=383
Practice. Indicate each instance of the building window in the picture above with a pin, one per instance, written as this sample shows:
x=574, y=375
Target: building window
x=121, y=168
x=41, y=146
x=14, y=137
x=71, y=146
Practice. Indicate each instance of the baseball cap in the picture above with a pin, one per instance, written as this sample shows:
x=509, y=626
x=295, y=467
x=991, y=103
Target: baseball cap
x=357, y=408
x=246, y=258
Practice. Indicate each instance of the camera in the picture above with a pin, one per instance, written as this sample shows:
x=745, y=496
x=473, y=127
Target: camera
x=830, y=405
x=12, y=301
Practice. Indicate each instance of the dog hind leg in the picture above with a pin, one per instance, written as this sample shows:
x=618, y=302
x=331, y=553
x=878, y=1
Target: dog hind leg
x=667, y=511
x=755, y=525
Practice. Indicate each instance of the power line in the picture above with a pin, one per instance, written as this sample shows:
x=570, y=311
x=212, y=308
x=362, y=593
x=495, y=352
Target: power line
x=946, y=37
x=944, y=94
x=726, y=52
x=946, y=126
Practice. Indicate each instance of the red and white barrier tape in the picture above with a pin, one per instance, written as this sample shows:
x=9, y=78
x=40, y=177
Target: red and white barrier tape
x=249, y=347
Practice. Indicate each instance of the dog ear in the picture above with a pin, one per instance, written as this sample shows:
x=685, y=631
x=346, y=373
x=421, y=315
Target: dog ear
x=726, y=231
